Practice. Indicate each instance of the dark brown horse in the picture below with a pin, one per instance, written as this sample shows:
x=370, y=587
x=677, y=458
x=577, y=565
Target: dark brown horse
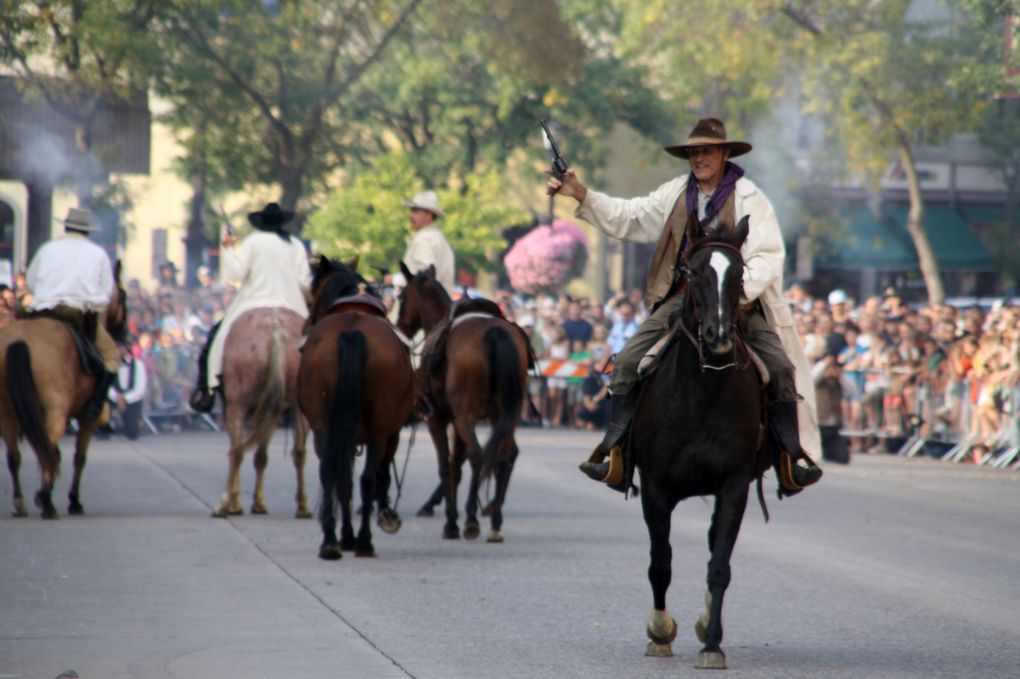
x=356, y=388
x=260, y=369
x=698, y=431
x=44, y=385
x=479, y=374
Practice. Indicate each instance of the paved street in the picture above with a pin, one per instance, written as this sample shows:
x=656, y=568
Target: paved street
x=890, y=568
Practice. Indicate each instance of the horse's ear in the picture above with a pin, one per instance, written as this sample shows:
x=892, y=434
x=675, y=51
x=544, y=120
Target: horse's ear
x=404, y=270
x=353, y=264
x=431, y=271
x=693, y=228
x=116, y=270
x=740, y=232
x=325, y=266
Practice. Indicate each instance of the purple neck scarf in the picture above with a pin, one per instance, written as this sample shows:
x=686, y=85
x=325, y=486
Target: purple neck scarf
x=731, y=173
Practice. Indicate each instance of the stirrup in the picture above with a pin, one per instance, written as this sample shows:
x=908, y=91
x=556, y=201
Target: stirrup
x=788, y=486
x=614, y=476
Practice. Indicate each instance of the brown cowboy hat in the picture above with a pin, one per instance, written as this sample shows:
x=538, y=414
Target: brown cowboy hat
x=709, y=132
x=270, y=217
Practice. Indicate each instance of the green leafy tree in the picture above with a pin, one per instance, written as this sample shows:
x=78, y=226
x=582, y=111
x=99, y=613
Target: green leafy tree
x=366, y=217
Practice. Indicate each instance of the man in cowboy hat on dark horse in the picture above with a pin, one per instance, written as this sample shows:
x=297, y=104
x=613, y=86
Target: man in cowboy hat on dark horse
x=71, y=278
x=272, y=268
x=717, y=191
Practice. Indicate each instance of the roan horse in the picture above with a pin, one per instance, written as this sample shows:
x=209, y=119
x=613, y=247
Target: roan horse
x=44, y=385
x=481, y=375
x=698, y=431
x=356, y=387
x=260, y=368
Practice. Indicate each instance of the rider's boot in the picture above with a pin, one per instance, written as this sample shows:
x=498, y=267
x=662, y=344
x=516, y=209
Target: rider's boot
x=203, y=399
x=598, y=467
x=793, y=477
x=94, y=406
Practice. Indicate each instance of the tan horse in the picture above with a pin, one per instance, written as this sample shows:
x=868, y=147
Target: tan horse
x=260, y=367
x=44, y=385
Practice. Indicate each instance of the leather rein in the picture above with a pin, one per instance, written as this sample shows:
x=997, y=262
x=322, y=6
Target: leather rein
x=697, y=341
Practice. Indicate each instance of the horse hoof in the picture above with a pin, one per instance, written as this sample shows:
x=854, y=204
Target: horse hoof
x=426, y=511
x=365, y=552
x=259, y=509
x=19, y=509
x=711, y=660
x=495, y=537
x=451, y=532
x=330, y=551
x=471, y=530
x=389, y=521
x=654, y=650
x=302, y=513
x=75, y=509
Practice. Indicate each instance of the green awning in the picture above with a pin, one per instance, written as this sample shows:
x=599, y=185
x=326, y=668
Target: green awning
x=883, y=243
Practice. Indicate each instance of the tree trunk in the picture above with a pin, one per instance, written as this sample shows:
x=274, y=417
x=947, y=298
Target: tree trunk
x=196, y=240
x=291, y=185
x=916, y=227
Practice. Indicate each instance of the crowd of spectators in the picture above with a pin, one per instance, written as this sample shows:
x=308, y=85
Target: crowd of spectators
x=883, y=370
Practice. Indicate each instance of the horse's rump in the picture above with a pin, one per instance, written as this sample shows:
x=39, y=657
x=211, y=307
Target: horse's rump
x=248, y=348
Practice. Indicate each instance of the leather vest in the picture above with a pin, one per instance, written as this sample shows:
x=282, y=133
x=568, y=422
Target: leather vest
x=662, y=273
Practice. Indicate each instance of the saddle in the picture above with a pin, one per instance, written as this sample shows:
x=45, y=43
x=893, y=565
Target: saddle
x=362, y=304
x=82, y=326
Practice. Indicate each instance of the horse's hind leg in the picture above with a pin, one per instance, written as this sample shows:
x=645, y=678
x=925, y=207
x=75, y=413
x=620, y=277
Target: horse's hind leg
x=330, y=548
x=461, y=450
x=730, y=503
x=437, y=430
x=363, y=545
x=657, y=508
x=300, y=453
x=489, y=508
x=230, y=503
x=258, y=498
x=81, y=448
x=14, y=467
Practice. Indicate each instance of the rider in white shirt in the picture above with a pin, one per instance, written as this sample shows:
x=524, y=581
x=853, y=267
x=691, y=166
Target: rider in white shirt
x=70, y=277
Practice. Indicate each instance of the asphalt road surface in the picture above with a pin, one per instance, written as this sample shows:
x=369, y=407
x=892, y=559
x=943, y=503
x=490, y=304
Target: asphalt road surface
x=888, y=568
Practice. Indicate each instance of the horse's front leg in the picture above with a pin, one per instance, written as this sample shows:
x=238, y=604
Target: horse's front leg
x=657, y=506
x=388, y=520
x=722, y=536
x=330, y=547
x=466, y=446
x=363, y=544
x=81, y=448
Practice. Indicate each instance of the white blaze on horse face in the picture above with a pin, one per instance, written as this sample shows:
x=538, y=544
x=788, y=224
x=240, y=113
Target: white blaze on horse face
x=720, y=263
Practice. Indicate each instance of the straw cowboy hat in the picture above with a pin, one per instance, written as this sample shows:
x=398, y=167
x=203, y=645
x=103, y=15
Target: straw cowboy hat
x=428, y=201
x=709, y=132
x=271, y=217
x=78, y=219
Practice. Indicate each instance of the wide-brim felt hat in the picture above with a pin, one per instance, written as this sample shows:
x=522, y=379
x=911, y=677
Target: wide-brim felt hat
x=709, y=132
x=428, y=201
x=270, y=217
x=78, y=219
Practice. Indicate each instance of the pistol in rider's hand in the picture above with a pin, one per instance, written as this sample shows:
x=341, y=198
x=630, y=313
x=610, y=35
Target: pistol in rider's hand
x=559, y=164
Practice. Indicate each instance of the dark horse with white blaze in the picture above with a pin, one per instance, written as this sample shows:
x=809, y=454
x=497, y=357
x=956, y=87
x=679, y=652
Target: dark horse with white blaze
x=44, y=385
x=356, y=387
x=477, y=373
x=698, y=430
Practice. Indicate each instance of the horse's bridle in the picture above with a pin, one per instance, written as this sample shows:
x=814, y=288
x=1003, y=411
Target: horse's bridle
x=697, y=341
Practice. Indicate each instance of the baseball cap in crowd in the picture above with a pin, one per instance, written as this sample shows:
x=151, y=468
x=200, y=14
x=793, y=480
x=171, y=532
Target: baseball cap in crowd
x=837, y=297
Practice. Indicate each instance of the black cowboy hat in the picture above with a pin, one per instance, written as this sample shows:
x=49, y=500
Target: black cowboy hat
x=270, y=217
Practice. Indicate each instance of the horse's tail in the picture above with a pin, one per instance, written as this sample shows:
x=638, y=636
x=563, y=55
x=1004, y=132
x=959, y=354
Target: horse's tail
x=272, y=399
x=344, y=414
x=24, y=398
x=506, y=396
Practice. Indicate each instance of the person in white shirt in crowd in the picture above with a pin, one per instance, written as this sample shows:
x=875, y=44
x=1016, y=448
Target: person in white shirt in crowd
x=623, y=328
x=272, y=268
x=127, y=397
x=70, y=277
x=428, y=246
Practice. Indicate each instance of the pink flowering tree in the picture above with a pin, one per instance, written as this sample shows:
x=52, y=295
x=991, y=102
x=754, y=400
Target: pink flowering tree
x=547, y=258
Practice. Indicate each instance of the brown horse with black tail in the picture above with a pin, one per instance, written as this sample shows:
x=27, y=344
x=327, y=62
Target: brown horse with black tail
x=44, y=385
x=478, y=373
x=356, y=387
x=698, y=430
